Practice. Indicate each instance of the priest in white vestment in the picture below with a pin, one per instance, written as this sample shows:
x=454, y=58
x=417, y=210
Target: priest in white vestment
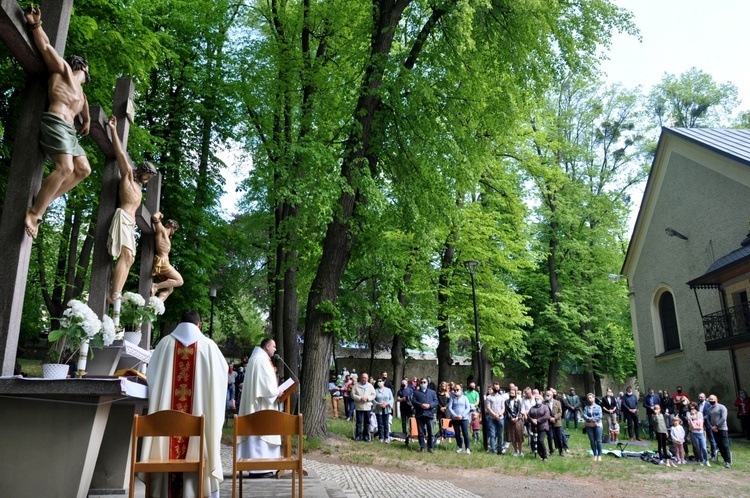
x=188, y=373
x=259, y=392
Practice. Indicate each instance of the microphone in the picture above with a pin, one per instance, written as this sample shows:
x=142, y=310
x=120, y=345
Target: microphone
x=279, y=358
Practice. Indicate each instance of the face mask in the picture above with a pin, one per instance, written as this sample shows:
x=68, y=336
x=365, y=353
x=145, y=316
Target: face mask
x=403, y=385
x=742, y=395
x=471, y=388
x=701, y=400
x=495, y=390
x=712, y=402
x=546, y=398
x=591, y=401
x=679, y=391
x=512, y=396
x=424, y=385
x=537, y=402
x=456, y=395
x=380, y=384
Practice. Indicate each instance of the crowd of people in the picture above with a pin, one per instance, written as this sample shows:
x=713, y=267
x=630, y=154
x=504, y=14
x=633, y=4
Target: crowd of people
x=534, y=418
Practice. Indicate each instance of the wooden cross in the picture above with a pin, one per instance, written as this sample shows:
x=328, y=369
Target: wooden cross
x=101, y=265
x=27, y=169
x=26, y=164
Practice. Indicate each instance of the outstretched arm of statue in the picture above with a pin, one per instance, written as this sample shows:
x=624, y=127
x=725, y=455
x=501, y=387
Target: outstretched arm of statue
x=55, y=63
x=126, y=171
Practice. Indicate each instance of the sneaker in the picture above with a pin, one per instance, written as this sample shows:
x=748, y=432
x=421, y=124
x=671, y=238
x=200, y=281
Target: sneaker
x=701, y=464
x=468, y=451
x=708, y=464
x=430, y=450
x=727, y=464
x=515, y=454
x=460, y=450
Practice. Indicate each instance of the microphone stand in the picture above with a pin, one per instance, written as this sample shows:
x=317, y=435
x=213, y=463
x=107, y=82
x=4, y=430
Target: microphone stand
x=277, y=357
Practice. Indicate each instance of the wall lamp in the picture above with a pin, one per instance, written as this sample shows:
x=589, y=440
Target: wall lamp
x=674, y=233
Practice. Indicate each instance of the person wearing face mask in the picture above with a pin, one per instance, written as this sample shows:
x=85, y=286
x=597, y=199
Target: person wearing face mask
x=650, y=400
x=424, y=401
x=473, y=396
x=743, y=412
x=403, y=396
x=695, y=425
x=683, y=413
x=592, y=418
x=717, y=420
x=494, y=408
x=703, y=406
x=630, y=407
x=459, y=410
x=555, y=433
x=443, y=396
x=363, y=394
x=667, y=407
x=539, y=422
x=514, y=422
x=609, y=409
x=679, y=396
x=383, y=409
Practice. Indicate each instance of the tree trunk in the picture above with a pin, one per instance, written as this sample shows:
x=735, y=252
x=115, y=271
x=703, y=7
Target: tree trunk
x=444, y=339
x=338, y=240
x=291, y=319
x=397, y=358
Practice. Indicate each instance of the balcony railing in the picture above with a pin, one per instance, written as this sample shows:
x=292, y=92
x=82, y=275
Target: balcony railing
x=728, y=329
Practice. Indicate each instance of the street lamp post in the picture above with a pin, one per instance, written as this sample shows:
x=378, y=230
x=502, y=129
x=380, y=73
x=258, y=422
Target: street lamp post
x=471, y=267
x=212, y=297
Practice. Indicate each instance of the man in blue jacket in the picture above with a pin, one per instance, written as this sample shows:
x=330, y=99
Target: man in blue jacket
x=649, y=402
x=630, y=409
x=424, y=401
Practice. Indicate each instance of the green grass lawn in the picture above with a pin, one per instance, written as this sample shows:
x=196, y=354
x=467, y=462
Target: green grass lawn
x=33, y=368
x=578, y=462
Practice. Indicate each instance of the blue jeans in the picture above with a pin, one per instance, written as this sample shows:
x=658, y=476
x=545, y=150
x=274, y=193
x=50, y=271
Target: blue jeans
x=230, y=395
x=712, y=440
x=699, y=443
x=595, y=438
x=383, y=419
x=495, y=434
x=459, y=427
x=363, y=417
x=571, y=414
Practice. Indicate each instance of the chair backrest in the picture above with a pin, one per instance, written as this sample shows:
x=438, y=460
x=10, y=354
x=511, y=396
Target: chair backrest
x=168, y=423
x=268, y=423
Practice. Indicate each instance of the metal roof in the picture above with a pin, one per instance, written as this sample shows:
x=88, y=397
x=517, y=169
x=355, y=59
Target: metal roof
x=731, y=143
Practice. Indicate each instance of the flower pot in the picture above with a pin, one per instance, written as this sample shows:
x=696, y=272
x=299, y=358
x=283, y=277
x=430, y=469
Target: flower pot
x=55, y=371
x=134, y=337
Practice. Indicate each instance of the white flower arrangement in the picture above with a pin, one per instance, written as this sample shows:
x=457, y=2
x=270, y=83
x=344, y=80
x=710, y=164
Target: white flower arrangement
x=108, y=330
x=135, y=310
x=79, y=324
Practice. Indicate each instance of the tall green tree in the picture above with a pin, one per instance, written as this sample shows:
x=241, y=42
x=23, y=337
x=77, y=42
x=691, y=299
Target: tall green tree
x=692, y=100
x=584, y=156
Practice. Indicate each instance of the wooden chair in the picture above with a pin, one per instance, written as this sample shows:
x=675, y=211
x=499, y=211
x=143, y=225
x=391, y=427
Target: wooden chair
x=167, y=423
x=268, y=423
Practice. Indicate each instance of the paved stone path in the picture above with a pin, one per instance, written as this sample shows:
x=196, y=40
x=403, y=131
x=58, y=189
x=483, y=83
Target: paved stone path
x=364, y=482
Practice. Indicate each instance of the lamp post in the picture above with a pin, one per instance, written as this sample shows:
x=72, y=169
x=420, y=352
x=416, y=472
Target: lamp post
x=212, y=296
x=471, y=267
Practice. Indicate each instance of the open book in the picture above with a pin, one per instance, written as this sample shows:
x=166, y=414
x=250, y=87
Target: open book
x=286, y=385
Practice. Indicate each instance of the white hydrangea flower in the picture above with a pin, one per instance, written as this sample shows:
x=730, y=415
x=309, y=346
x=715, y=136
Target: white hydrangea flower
x=108, y=330
x=132, y=297
x=157, y=304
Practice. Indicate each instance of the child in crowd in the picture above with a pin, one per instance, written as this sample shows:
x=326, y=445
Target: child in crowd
x=660, y=428
x=677, y=433
x=695, y=422
x=614, y=433
x=475, y=424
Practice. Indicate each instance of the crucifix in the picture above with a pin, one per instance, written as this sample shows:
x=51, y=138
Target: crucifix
x=27, y=167
x=27, y=163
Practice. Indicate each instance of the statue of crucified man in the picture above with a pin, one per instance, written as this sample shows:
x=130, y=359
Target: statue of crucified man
x=121, y=243
x=58, y=133
x=168, y=276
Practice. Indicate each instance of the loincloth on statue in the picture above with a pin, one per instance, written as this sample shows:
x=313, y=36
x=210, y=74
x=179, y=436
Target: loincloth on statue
x=161, y=266
x=121, y=233
x=57, y=136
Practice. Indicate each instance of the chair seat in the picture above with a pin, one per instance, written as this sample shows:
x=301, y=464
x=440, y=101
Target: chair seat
x=264, y=463
x=171, y=465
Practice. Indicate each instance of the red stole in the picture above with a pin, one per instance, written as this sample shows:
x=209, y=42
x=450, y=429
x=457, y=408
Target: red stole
x=183, y=376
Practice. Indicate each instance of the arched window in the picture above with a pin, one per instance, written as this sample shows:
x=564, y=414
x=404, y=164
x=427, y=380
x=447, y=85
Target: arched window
x=668, y=319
